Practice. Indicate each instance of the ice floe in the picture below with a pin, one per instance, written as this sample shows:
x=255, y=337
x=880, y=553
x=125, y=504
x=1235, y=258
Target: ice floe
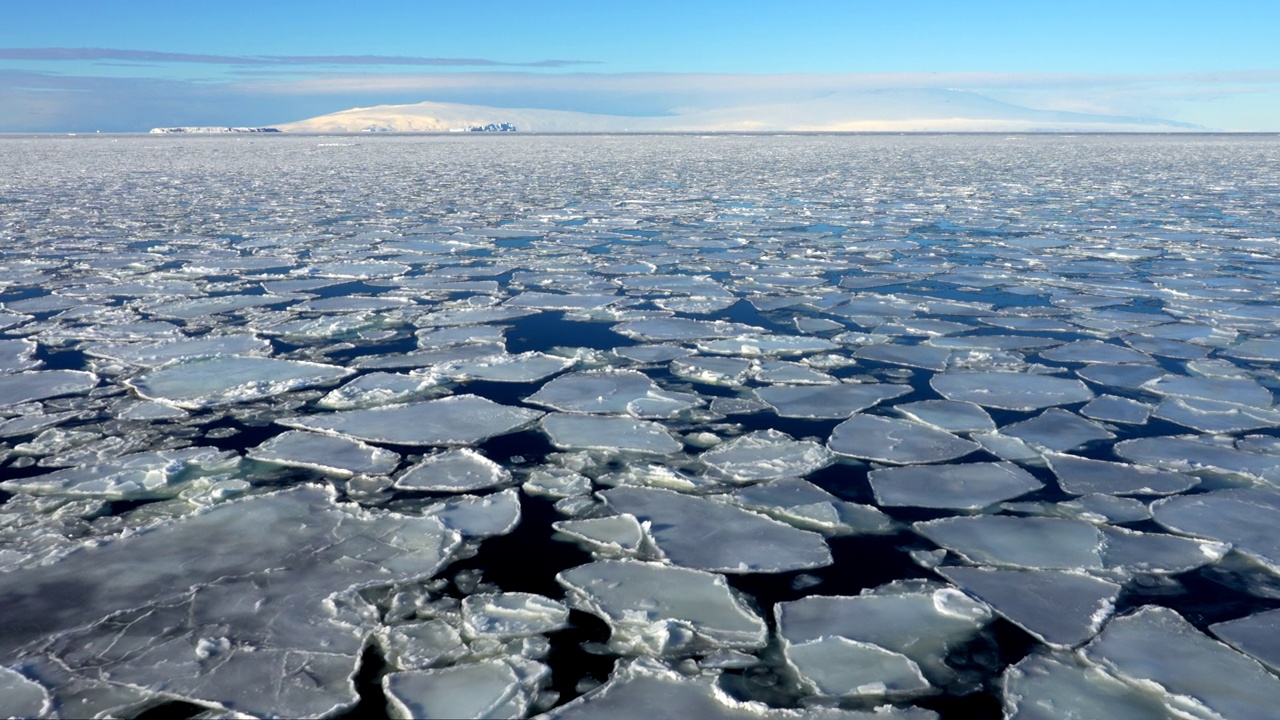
x=872, y=437
x=454, y=420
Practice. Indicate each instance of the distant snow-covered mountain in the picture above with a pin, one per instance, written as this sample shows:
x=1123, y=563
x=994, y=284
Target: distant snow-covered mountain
x=890, y=110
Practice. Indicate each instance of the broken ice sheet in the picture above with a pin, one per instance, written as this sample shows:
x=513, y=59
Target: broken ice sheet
x=1243, y=517
x=665, y=329
x=1061, y=608
x=213, y=381
x=1095, y=351
x=22, y=697
x=193, y=624
x=1110, y=408
x=522, y=368
x=623, y=392
x=832, y=402
x=17, y=355
x=1057, y=429
x=969, y=486
x=331, y=455
x=802, y=504
x=21, y=387
x=1034, y=543
x=153, y=354
x=454, y=420
x=381, y=388
x=505, y=615
x=617, y=536
x=454, y=470
x=567, y=431
x=1083, y=476
x=483, y=689
x=767, y=345
x=1010, y=391
x=949, y=415
x=660, y=610
x=725, y=371
x=872, y=437
x=145, y=475
x=921, y=620
x=1055, y=686
x=1212, y=416
x=642, y=689
x=839, y=667
x=1201, y=455
x=1257, y=635
x=1156, y=647
x=766, y=455
x=479, y=516
x=709, y=534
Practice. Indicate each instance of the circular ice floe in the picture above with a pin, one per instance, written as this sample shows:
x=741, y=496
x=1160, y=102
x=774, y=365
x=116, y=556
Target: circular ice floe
x=1010, y=391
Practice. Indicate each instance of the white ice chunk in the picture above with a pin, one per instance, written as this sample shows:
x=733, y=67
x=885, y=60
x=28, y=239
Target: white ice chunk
x=1057, y=429
x=970, y=486
x=153, y=354
x=707, y=534
x=622, y=392
x=950, y=415
x=828, y=401
x=1067, y=687
x=672, y=328
x=1257, y=635
x=1156, y=647
x=1083, y=476
x=1240, y=391
x=380, y=388
x=783, y=372
x=586, y=432
x=618, y=536
x=479, y=516
x=262, y=569
x=652, y=353
x=804, y=505
x=224, y=380
x=454, y=470
x=1063, y=609
x=455, y=420
x=1095, y=351
x=1243, y=517
x=1211, y=416
x=1197, y=454
x=1010, y=391
x=522, y=368
x=1032, y=542
x=767, y=345
x=1132, y=551
x=21, y=387
x=507, y=615
x=920, y=620
x=1110, y=408
x=1128, y=377
x=839, y=667
x=917, y=356
x=339, y=456
x=892, y=440
x=154, y=474
x=766, y=455
x=17, y=355
x=727, y=371
x=661, y=610
x=482, y=689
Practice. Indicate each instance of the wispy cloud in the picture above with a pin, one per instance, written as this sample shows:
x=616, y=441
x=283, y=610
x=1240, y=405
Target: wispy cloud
x=152, y=56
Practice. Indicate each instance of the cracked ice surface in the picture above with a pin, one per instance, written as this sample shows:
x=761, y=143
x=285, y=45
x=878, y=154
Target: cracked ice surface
x=194, y=623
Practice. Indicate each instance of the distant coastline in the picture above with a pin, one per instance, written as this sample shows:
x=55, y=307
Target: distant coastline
x=211, y=130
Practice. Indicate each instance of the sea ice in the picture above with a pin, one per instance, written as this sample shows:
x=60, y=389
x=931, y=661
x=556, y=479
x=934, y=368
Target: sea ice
x=454, y=470
x=484, y=689
x=1061, y=608
x=970, y=486
x=922, y=621
x=1156, y=647
x=1110, y=408
x=661, y=610
x=154, y=354
x=872, y=437
x=338, y=456
x=1082, y=476
x=839, y=667
x=949, y=415
x=833, y=402
x=804, y=505
x=617, y=536
x=1033, y=543
x=622, y=392
x=223, y=380
x=506, y=615
x=135, y=476
x=454, y=420
x=568, y=431
x=1095, y=351
x=479, y=516
x=1010, y=391
x=766, y=455
x=1060, y=686
x=1243, y=517
x=20, y=387
x=708, y=534
x=1257, y=635
x=193, y=624
x=1057, y=429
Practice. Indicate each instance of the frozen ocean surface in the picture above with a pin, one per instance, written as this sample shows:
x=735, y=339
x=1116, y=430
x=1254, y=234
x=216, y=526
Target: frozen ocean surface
x=792, y=426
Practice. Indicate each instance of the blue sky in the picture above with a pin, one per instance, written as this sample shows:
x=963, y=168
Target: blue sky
x=79, y=65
